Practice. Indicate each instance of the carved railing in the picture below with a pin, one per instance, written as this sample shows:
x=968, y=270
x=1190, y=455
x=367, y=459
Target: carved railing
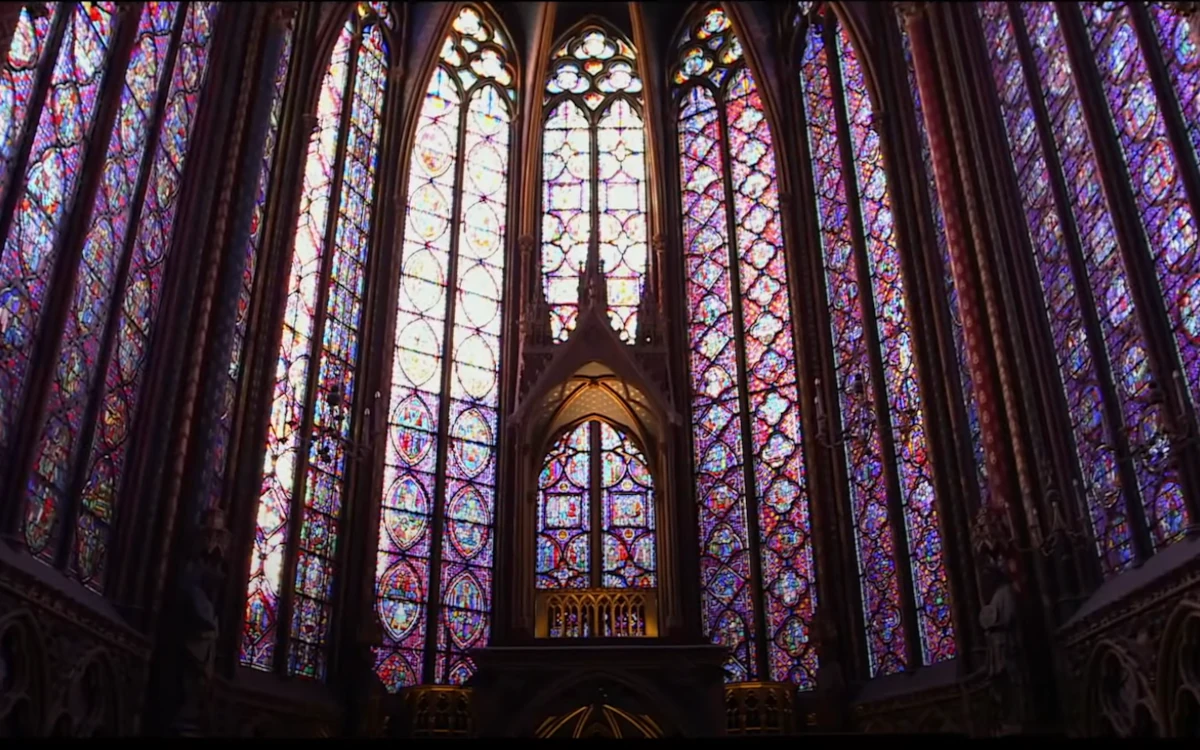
x=597, y=613
x=437, y=711
x=759, y=708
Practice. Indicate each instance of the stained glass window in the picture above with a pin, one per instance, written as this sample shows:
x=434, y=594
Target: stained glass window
x=593, y=179
x=292, y=569
x=114, y=286
x=47, y=187
x=1104, y=365
x=218, y=449
x=18, y=79
x=872, y=339
x=750, y=477
x=595, y=512
x=436, y=544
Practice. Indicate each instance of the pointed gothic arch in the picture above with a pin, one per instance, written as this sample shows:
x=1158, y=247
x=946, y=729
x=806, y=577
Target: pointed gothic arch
x=436, y=532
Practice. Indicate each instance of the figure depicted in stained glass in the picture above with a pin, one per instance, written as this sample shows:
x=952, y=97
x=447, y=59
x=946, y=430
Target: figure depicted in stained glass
x=593, y=178
x=595, y=512
x=1088, y=286
x=750, y=475
x=113, y=290
x=436, y=545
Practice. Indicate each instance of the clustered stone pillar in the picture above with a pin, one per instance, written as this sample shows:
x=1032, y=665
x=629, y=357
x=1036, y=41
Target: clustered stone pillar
x=999, y=525
x=981, y=355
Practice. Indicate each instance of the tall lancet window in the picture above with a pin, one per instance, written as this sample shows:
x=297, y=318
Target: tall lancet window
x=1072, y=208
x=82, y=263
x=883, y=426
x=436, y=545
x=593, y=179
x=595, y=513
x=293, y=562
x=757, y=566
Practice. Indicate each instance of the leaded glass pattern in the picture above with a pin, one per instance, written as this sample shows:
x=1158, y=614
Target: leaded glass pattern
x=1118, y=351
x=260, y=630
x=564, y=513
x=867, y=305
x=304, y=472
x=96, y=358
x=1171, y=233
x=47, y=189
x=745, y=411
x=593, y=178
x=18, y=79
x=108, y=232
x=439, y=484
x=595, y=495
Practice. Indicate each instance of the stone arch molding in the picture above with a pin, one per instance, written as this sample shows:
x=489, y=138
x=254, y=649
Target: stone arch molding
x=90, y=704
x=1118, y=697
x=1178, y=673
x=578, y=688
x=24, y=674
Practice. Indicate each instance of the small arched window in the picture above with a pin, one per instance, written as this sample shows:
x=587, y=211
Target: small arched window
x=595, y=514
x=293, y=566
x=89, y=256
x=594, y=178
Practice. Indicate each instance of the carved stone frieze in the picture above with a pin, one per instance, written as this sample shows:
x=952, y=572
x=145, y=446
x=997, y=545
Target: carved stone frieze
x=71, y=670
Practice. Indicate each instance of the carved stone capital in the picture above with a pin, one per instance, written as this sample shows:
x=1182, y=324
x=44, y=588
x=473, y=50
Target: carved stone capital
x=281, y=15
x=909, y=11
x=309, y=122
x=525, y=244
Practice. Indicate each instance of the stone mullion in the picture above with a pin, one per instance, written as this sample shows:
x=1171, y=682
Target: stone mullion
x=825, y=464
x=967, y=228
x=264, y=332
x=174, y=370
x=354, y=603
x=1002, y=533
x=945, y=417
x=183, y=530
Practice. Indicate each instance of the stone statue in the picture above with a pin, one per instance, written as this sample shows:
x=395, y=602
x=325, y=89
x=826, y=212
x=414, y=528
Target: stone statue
x=199, y=585
x=1000, y=621
x=831, y=678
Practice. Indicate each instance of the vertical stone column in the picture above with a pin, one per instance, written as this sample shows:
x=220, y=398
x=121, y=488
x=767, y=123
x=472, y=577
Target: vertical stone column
x=194, y=565
x=983, y=354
